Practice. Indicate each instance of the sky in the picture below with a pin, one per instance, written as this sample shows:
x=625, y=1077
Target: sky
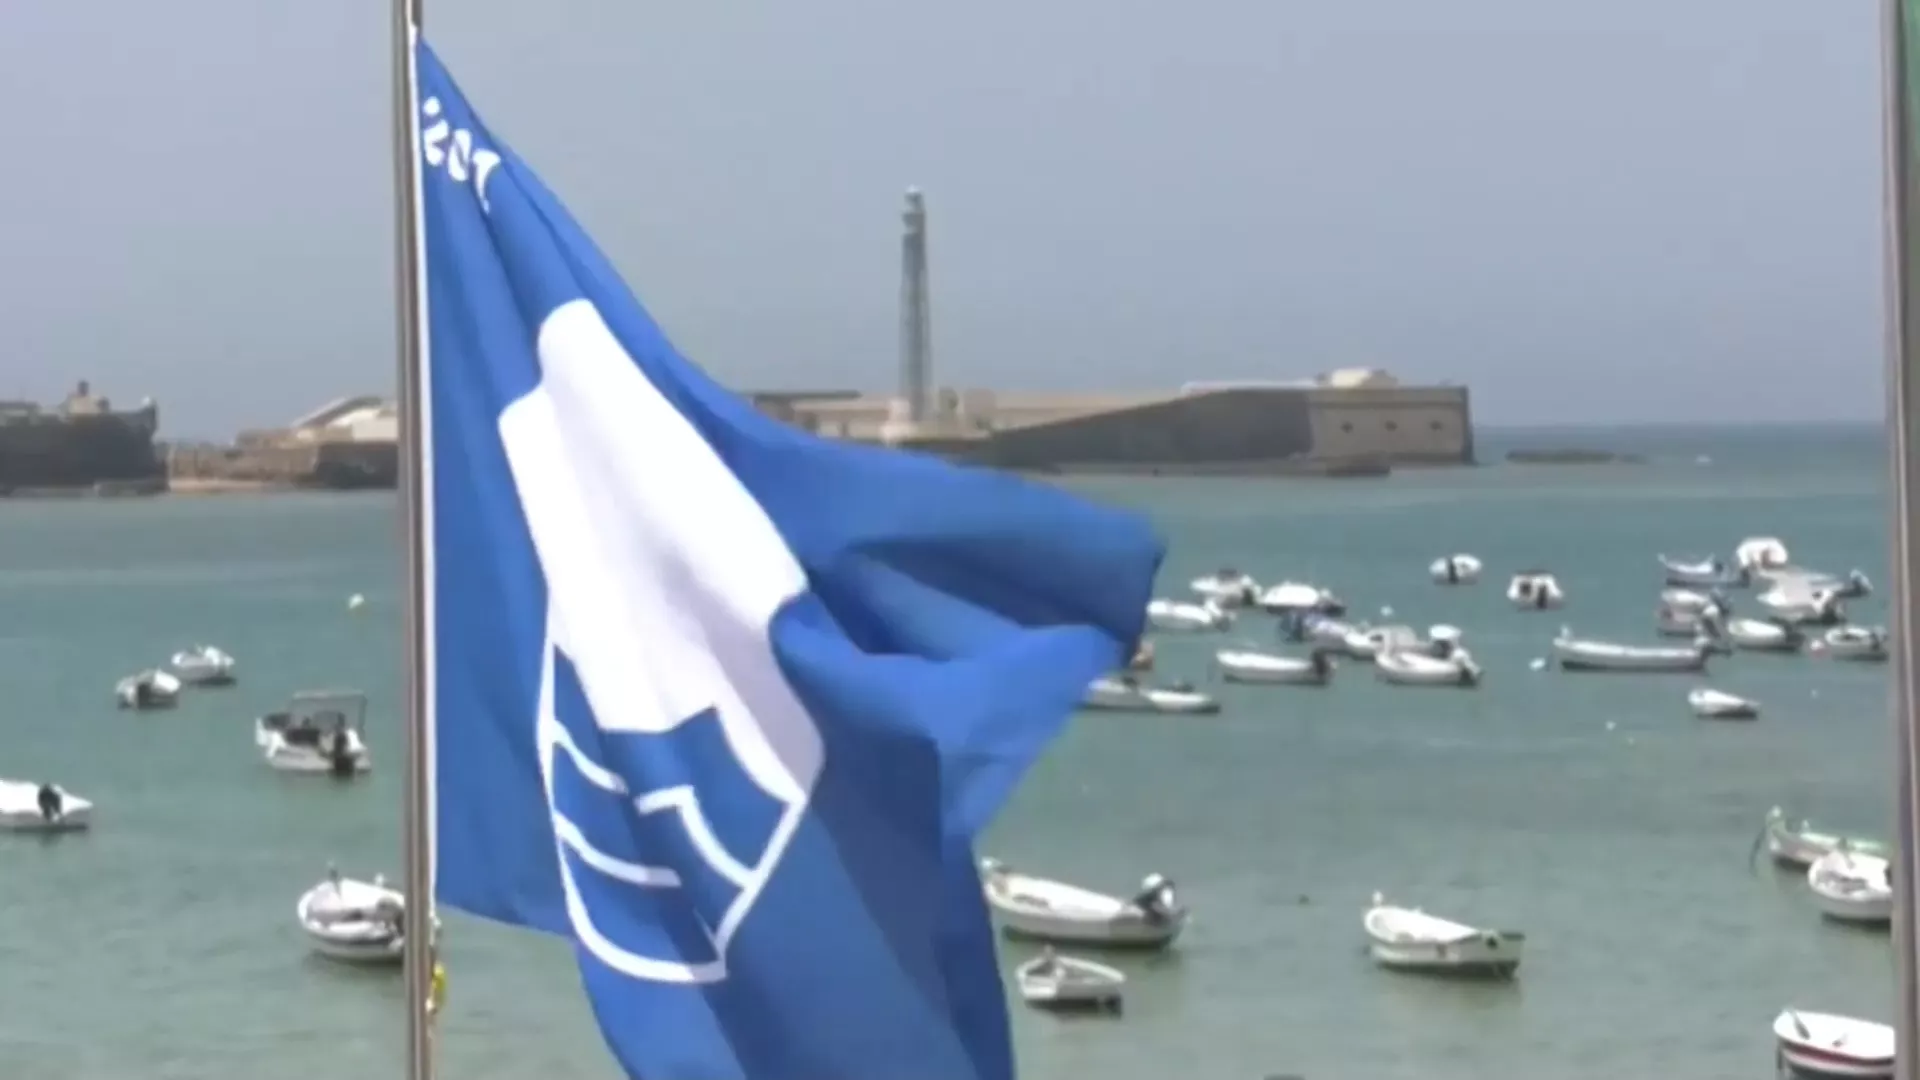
x=1643, y=210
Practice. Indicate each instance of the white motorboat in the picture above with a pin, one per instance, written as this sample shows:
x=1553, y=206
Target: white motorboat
x=1318, y=630
x=1695, y=601
x=1866, y=644
x=1763, y=635
x=149, y=689
x=1366, y=643
x=1798, y=843
x=1179, y=615
x=1711, y=704
x=1758, y=553
x=1124, y=693
x=41, y=808
x=1581, y=654
x=1255, y=666
x=1408, y=939
x=1822, y=1046
x=1053, y=981
x=203, y=665
x=1291, y=596
x=1535, y=590
x=1797, y=604
x=1455, y=570
x=1670, y=621
x=1710, y=572
x=1046, y=910
x=320, y=731
x=1455, y=667
x=1227, y=587
x=1852, y=887
x=359, y=922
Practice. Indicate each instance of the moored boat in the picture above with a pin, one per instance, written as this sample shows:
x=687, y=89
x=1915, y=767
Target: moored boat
x=1852, y=887
x=1053, y=981
x=1798, y=843
x=1408, y=939
x=1710, y=704
x=320, y=731
x=150, y=689
x=1863, y=644
x=1581, y=654
x=1179, y=615
x=1227, y=587
x=1535, y=590
x=42, y=808
x=1047, y=910
x=1256, y=666
x=357, y=922
x=1455, y=570
x=1824, y=1046
x=203, y=665
x=1124, y=693
x=1456, y=667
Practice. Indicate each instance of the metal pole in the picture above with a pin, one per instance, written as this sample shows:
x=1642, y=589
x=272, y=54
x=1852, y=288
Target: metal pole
x=417, y=817
x=1901, y=413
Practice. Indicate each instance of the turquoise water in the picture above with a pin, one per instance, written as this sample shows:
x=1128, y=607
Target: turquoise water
x=162, y=945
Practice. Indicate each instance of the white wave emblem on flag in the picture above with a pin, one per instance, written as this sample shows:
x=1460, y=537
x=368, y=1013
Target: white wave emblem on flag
x=677, y=762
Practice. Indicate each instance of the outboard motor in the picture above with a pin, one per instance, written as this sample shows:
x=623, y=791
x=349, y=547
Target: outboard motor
x=51, y=804
x=1540, y=596
x=1293, y=626
x=340, y=760
x=1453, y=570
x=1155, y=898
x=1322, y=664
x=142, y=693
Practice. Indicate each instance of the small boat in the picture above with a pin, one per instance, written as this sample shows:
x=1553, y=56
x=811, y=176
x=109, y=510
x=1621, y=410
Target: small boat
x=1694, y=600
x=1710, y=704
x=1802, y=606
x=1535, y=590
x=1314, y=629
x=1758, y=553
x=358, y=922
x=1865, y=644
x=1227, y=587
x=1455, y=667
x=1852, y=887
x=1408, y=939
x=1455, y=570
x=1366, y=643
x=1764, y=635
x=1047, y=910
x=1670, y=621
x=149, y=689
x=1580, y=654
x=41, y=808
x=1291, y=596
x=1822, y=1046
x=1124, y=693
x=1053, y=981
x=1799, y=844
x=203, y=665
x=1254, y=666
x=1179, y=615
x=1710, y=572
x=320, y=731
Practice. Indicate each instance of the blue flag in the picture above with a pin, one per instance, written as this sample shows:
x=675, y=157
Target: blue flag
x=723, y=703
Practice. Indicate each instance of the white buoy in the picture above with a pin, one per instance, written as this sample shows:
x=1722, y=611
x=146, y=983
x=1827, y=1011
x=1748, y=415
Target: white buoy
x=1539, y=663
x=356, y=602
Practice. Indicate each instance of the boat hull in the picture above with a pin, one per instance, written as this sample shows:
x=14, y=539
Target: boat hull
x=1125, y=933
x=1812, y=1063
x=1491, y=956
x=370, y=953
x=73, y=820
x=1642, y=663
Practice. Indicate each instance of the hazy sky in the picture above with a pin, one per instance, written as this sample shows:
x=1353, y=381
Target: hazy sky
x=1643, y=209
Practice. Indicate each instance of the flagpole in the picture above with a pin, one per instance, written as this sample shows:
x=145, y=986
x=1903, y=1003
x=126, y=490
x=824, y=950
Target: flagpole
x=1901, y=412
x=419, y=955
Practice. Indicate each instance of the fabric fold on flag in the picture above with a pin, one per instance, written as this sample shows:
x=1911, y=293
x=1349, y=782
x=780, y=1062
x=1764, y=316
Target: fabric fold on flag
x=723, y=703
